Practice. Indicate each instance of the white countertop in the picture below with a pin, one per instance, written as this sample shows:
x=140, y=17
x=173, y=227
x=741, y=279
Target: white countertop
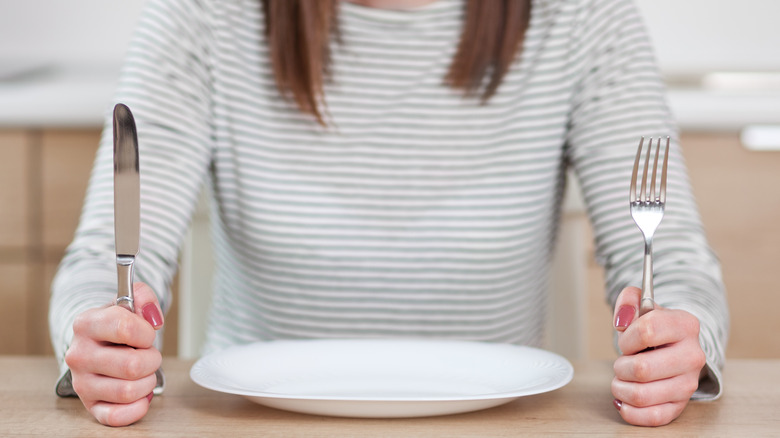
x=61, y=96
x=700, y=110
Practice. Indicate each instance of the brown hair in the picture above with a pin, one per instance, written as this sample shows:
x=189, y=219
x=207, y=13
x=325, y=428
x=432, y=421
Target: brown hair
x=299, y=32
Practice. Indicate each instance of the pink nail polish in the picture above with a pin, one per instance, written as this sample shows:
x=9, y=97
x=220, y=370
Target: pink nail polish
x=152, y=315
x=617, y=404
x=625, y=315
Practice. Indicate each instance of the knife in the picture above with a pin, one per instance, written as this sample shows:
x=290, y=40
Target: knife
x=127, y=211
x=127, y=223
x=127, y=203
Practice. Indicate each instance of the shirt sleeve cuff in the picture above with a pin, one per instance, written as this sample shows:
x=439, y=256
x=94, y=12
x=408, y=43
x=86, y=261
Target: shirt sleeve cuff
x=710, y=385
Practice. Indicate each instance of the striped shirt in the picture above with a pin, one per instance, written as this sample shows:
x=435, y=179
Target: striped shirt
x=417, y=212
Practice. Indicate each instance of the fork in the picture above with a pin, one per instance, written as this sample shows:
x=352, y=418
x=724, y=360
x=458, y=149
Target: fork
x=647, y=210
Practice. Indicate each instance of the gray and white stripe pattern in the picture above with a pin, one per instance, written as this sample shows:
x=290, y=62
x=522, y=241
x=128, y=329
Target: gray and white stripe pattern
x=416, y=212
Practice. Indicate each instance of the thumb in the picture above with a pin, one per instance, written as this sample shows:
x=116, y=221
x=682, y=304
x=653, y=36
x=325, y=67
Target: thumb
x=146, y=305
x=626, y=307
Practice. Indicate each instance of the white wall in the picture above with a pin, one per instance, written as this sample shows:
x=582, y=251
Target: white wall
x=699, y=36
x=91, y=31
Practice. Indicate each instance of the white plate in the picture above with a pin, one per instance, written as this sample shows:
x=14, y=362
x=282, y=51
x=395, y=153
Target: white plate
x=381, y=378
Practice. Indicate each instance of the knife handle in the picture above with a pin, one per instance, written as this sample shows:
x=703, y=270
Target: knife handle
x=124, y=298
x=124, y=272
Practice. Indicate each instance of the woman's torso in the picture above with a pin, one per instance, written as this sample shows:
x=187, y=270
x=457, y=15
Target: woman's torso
x=417, y=212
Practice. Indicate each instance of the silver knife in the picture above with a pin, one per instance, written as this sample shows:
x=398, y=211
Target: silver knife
x=127, y=211
x=127, y=222
x=127, y=203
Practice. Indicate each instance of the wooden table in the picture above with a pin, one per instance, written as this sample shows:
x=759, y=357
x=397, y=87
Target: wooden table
x=749, y=407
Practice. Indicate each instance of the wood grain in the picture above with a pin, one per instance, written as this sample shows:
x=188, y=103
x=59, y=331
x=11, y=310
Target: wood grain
x=738, y=192
x=14, y=311
x=14, y=196
x=66, y=162
x=583, y=407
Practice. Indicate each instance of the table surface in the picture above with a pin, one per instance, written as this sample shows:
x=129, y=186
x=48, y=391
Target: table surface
x=750, y=406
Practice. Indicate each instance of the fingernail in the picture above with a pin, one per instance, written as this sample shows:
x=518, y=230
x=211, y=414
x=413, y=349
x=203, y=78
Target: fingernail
x=624, y=316
x=152, y=315
x=149, y=397
x=617, y=404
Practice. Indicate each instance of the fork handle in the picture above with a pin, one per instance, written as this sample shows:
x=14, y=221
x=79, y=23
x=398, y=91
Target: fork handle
x=647, y=303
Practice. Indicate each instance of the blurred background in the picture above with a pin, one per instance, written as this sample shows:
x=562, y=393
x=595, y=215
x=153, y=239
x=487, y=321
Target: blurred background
x=59, y=61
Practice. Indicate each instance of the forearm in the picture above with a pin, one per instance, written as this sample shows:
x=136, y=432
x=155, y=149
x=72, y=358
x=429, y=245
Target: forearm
x=619, y=98
x=76, y=288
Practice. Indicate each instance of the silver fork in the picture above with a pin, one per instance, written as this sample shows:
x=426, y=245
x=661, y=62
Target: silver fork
x=647, y=209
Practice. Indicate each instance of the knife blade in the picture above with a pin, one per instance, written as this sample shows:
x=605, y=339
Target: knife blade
x=127, y=202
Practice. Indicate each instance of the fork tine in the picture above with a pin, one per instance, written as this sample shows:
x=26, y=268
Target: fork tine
x=653, y=196
x=662, y=195
x=632, y=194
x=644, y=196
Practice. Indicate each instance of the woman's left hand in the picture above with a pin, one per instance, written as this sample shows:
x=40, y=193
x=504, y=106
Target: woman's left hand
x=661, y=363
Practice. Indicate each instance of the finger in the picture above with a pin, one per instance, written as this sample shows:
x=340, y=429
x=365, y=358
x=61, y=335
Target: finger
x=147, y=305
x=112, y=414
x=657, y=415
x=108, y=389
x=626, y=308
x=123, y=362
x=661, y=363
x=113, y=360
x=676, y=389
x=657, y=328
x=116, y=325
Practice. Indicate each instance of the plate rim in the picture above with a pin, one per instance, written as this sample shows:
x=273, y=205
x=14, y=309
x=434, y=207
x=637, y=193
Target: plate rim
x=565, y=366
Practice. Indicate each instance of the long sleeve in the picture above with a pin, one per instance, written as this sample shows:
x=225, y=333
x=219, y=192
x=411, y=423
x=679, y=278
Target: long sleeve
x=620, y=97
x=165, y=82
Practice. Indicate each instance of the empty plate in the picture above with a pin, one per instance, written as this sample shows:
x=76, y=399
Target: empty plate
x=381, y=378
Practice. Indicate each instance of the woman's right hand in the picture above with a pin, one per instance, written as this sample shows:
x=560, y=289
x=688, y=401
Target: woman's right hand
x=113, y=360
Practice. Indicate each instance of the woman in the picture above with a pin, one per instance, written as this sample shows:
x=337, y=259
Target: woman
x=387, y=169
